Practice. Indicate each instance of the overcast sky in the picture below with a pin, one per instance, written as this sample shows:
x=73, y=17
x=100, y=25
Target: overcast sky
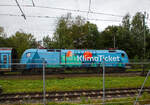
x=41, y=27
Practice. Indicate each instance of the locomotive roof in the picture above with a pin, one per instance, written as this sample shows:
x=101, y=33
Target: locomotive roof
x=73, y=50
x=5, y=49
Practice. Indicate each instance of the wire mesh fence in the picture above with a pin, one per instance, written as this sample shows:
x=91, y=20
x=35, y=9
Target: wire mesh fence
x=130, y=77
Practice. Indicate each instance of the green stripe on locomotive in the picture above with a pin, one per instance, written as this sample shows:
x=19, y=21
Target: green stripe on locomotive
x=70, y=61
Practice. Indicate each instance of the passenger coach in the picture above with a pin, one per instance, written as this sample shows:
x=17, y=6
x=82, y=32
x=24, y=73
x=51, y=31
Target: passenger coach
x=7, y=58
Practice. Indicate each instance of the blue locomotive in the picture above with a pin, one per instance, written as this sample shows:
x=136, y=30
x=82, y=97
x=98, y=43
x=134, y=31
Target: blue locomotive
x=69, y=58
x=65, y=58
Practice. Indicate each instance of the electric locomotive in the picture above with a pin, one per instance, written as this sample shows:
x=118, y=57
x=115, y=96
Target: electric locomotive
x=74, y=58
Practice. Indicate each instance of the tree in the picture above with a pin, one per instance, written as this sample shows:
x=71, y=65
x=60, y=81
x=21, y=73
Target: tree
x=128, y=36
x=107, y=37
x=22, y=41
x=3, y=38
x=75, y=33
x=127, y=39
x=61, y=35
x=137, y=31
x=48, y=42
x=1, y=31
x=126, y=24
x=92, y=35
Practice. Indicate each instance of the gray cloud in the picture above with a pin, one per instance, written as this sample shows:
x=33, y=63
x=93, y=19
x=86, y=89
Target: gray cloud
x=45, y=26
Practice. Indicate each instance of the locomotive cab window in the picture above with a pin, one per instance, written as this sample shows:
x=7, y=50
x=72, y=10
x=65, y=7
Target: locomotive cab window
x=28, y=55
x=122, y=55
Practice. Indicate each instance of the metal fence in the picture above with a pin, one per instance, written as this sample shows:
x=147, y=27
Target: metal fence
x=139, y=70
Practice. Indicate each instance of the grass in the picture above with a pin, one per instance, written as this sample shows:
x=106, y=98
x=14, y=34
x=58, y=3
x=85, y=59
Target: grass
x=68, y=84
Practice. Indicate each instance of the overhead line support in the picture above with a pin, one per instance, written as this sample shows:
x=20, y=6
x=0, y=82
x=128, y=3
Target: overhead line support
x=33, y=3
x=21, y=10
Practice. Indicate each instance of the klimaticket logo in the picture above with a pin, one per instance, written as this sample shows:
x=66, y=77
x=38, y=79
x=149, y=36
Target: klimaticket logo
x=99, y=58
x=88, y=56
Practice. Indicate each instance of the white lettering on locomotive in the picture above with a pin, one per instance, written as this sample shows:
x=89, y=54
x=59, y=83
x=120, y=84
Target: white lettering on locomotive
x=99, y=58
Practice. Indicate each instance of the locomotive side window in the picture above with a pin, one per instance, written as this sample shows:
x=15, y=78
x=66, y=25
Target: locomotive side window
x=122, y=55
x=28, y=55
x=58, y=50
x=51, y=50
x=5, y=59
x=112, y=51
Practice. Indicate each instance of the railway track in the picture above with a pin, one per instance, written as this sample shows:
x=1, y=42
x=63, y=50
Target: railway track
x=70, y=75
x=72, y=95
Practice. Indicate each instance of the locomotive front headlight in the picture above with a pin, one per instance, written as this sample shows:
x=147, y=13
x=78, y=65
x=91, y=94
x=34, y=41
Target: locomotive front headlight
x=28, y=55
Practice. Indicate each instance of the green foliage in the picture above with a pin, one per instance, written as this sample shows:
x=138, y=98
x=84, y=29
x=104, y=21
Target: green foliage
x=73, y=33
x=129, y=36
x=1, y=31
x=22, y=41
x=3, y=39
x=137, y=33
x=107, y=37
x=48, y=42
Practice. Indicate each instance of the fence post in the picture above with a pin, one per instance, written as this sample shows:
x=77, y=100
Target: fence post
x=141, y=88
x=103, y=82
x=44, y=90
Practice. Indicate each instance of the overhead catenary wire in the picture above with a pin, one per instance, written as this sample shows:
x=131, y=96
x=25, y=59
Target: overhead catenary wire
x=16, y=15
x=71, y=10
x=104, y=20
x=32, y=16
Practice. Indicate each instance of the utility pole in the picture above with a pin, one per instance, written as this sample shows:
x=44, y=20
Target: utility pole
x=144, y=40
x=114, y=41
x=144, y=33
